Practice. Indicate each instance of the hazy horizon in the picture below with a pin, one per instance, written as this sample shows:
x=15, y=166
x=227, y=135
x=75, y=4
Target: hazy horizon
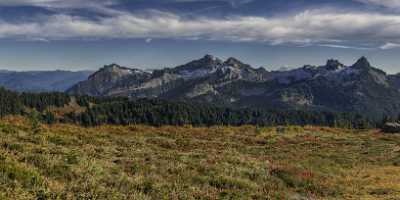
x=267, y=67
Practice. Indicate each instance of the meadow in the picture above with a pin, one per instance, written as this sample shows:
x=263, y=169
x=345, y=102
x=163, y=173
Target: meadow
x=64, y=161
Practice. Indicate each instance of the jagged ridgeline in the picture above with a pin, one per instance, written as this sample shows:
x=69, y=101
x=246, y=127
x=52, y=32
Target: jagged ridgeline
x=91, y=111
x=334, y=87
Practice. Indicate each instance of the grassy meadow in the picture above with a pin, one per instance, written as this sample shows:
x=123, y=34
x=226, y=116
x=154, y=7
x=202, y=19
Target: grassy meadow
x=141, y=162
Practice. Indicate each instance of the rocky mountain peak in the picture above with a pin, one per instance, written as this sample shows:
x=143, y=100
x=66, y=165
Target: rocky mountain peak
x=208, y=62
x=110, y=71
x=362, y=63
x=209, y=57
x=113, y=65
x=333, y=64
x=233, y=62
x=370, y=74
x=112, y=68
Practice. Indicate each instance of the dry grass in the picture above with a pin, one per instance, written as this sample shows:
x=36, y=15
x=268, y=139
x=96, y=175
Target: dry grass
x=141, y=162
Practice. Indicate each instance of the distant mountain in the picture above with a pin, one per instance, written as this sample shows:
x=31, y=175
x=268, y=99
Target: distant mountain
x=358, y=88
x=109, y=79
x=41, y=81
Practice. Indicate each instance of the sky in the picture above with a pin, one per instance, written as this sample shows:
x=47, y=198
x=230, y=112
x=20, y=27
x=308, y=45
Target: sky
x=149, y=34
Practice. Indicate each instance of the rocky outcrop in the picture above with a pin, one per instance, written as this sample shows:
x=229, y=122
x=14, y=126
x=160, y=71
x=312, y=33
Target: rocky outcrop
x=391, y=127
x=333, y=64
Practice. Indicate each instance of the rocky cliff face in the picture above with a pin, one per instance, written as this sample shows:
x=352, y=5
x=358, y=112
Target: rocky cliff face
x=333, y=86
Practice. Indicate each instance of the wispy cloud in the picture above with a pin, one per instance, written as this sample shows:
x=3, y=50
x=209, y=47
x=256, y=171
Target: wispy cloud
x=390, y=45
x=394, y=4
x=56, y=3
x=98, y=5
x=148, y=40
x=312, y=27
x=344, y=47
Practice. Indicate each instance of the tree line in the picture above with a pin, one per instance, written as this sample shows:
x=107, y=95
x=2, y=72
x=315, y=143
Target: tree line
x=12, y=103
x=160, y=112
x=156, y=112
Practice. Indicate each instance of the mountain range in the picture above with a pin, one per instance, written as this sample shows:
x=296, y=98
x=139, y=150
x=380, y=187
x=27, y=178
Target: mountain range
x=359, y=88
x=41, y=81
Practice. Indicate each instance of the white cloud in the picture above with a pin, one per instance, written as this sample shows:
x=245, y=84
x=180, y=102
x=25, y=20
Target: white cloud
x=308, y=27
x=389, y=45
x=25, y=2
x=97, y=5
x=55, y=3
x=344, y=46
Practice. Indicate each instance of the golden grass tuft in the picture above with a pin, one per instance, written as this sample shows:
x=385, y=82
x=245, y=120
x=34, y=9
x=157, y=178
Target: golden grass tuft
x=65, y=161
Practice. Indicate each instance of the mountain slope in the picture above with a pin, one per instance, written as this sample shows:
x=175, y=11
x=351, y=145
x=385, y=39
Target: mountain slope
x=41, y=81
x=108, y=79
x=335, y=87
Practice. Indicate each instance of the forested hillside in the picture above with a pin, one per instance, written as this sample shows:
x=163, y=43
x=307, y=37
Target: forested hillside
x=92, y=111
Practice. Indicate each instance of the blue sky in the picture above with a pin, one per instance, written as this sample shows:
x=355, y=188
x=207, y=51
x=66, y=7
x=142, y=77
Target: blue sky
x=86, y=34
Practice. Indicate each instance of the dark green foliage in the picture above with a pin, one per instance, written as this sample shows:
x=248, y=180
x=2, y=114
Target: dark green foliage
x=86, y=101
x=121, y=110
x=34, y=118
x=16, y=103
x=9, y=103
x=41, y=101
x=49, y=118
x=159, y=112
